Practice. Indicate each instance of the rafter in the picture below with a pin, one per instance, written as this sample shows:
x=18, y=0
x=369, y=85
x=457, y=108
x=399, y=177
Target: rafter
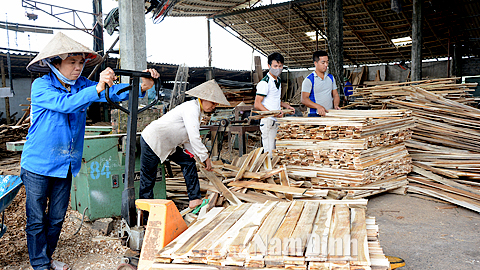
x=385, y=35
x=360, y=39
x=428, y=48
x=291, y=34
x=267, y=38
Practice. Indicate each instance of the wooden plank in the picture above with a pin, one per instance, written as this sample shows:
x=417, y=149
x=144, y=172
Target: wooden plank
x=446, y=196
x=202, y=248
x=275, y=188
x=164, y=254
x=339, y=235
x=444, y=187
x=317, y=247
x=358, y=237
x=444, y=181
x=268, y=229
x=303, y=229
x=245, y=234
x=220, y=187
x=284, y=181
x=255, y=197
x=276, y=247
x=207, y=229
x=244, y=166
x=220, y=247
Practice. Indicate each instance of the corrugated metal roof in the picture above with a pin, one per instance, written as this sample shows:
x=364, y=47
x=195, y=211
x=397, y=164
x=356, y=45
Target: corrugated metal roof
x=207, y=8
x=368, y=28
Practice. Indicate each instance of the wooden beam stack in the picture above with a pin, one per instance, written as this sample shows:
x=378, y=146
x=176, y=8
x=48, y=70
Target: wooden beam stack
x=281, y=235
x=445, y=148
x=348, y=148
x=377, y=97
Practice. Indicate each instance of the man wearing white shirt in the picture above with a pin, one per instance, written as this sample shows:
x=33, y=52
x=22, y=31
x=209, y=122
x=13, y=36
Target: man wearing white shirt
x=268, y=96
x=176, y=136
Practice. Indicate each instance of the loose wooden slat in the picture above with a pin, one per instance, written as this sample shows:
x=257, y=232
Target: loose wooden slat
x=359, y=239
x=221, y=187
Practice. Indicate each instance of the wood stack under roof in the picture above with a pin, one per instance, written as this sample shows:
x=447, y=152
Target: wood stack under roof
x=288, y=235
x=348, y=148
x=377, y=97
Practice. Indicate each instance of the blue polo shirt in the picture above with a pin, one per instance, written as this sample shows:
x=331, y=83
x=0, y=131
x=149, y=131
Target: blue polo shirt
x=55, y=137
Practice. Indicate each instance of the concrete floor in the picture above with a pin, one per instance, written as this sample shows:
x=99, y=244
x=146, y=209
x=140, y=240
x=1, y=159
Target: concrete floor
x=425, y=233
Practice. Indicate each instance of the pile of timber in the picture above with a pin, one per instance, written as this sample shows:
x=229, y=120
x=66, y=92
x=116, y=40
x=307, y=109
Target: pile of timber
x=445, y=148
x=348, y=149
x=11, y=134
x=378, y=97
x=237, y=92
x=289, y=235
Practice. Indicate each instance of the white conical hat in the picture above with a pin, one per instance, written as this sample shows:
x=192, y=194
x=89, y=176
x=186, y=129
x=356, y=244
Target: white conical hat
x=209, y=91
x=61, y=46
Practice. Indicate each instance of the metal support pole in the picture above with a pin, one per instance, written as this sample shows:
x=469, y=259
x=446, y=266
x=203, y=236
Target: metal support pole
x=98, y=32
x=417, y=40
x=4, y=84
x=210, y=71
x=128, y=194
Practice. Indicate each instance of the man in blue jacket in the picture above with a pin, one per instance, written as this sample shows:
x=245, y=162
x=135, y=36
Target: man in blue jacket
x=53, y=151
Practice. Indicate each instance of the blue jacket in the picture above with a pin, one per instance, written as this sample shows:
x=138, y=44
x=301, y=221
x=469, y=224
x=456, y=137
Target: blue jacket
x=55, y=138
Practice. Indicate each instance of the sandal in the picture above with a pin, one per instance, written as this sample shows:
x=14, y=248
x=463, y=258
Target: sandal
x=57, y=265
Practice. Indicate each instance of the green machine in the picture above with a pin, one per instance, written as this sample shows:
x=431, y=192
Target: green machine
x=97, y=189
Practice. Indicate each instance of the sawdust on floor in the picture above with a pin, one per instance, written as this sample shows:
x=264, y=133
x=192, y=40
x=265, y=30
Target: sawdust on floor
x=80, y=251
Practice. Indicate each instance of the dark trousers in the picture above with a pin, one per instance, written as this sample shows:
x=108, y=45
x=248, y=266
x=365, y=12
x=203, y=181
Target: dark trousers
x=148, y=171
x=44, y=227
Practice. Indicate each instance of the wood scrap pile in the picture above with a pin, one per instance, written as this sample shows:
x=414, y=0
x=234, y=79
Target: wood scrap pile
x=251, y=178
x=348, y=149
x=445, y=148
x=377, y=97
x=237, y=92
x=289, y=235
x=11, y=134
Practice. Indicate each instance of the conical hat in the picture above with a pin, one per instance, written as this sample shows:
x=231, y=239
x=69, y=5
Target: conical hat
x=61, y=46
x=209, y=91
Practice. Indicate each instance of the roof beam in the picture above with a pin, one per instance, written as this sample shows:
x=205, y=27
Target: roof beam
x=291, y=34
x=360, y=39
x=385, y=35
x=428, y=48
x=233, y=7
x=307, y=18
x=267, y=38
x=240, y=37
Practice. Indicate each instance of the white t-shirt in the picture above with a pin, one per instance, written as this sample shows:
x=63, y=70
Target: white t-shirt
x=271, y=90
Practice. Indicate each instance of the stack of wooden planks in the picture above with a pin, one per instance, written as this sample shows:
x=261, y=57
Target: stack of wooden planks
x=445, y=148
x=377, y=97
x=11, y=134
x=237, y=92
x=348, y=149
x=283, y=235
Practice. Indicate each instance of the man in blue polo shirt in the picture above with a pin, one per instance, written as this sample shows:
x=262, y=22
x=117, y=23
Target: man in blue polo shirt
x=319, y=90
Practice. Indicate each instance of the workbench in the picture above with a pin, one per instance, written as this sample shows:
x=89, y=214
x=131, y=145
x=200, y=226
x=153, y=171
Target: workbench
x=239, y=130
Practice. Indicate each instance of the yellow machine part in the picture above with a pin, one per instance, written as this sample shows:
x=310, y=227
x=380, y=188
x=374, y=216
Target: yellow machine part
x=165, y=223
x=395, y=262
